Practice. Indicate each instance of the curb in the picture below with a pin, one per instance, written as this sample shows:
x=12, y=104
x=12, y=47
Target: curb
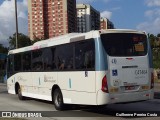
x=3, y=84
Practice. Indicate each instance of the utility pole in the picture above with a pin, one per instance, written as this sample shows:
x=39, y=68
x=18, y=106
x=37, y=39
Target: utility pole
x=16, y=23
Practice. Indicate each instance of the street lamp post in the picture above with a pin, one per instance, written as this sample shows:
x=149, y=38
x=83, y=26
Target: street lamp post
x=16, y=23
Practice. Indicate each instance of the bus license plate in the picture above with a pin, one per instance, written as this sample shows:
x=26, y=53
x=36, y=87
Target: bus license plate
x=129, y=87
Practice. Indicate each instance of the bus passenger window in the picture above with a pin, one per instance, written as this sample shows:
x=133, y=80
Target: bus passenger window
x=70, y=64
x=10, y=66
x=64, y=57
x=53, y=63
x=88, y=59
x=47, y=57
x=62, y=64
x=17, y=62
x=38, y=66
x=26, y=61
x=84, y=55
x=37, y=60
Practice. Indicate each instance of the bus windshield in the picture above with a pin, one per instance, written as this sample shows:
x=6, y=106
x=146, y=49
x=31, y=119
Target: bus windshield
x=124, y=44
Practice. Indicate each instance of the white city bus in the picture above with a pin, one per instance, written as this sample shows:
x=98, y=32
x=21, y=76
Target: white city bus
x=94, y=68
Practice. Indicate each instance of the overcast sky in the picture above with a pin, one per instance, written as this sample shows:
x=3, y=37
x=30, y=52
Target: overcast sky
x=128, y=14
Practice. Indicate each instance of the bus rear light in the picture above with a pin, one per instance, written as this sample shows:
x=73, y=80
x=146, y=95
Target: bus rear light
x=104, y=84
x=152, y=80
x=129, y=58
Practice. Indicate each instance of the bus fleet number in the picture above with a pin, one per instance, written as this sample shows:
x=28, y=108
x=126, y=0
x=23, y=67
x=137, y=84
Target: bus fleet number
x=140, y=72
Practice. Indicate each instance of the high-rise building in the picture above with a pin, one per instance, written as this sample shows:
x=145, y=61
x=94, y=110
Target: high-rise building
x=106, y=24
x=50, y=18
x=88, y=18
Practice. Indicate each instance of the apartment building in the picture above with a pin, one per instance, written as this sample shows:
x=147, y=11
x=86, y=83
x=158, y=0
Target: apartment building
x=51, y=18
x=106, y=24
x=88, y=18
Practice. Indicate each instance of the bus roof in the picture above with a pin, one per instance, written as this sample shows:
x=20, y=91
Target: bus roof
x=122, y=31
x=71, y=37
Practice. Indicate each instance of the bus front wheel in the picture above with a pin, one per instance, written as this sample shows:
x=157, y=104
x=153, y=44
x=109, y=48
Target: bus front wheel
x=20, y=94
x=58, y=99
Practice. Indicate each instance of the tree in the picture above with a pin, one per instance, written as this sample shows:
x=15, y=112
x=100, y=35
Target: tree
x=158, y=35
x=23, y=41
x=152, y=39
x=3, y=49
x=36, y=39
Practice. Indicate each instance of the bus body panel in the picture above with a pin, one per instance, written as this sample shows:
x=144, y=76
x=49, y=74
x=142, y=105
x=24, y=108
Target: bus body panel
x=43, y=83
x=80, y=81
x=128, y=78
x=11, y=87
x=104, y=98
x=24, y=79
x=75, y=97
x=133, y=71
x=78, y=87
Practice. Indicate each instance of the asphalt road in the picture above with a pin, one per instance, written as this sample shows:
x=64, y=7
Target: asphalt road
x=10, y=102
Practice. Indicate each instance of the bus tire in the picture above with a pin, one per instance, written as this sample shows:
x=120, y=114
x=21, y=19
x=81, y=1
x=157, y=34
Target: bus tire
x=58, y=99
x=20, y=94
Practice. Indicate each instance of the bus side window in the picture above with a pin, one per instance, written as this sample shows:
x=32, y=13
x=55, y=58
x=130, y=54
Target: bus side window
x=70, y=64
x=88, y=59
x=17, y=62
x=26, y=61
x=10, y=65
x=62, y=65
x=85, y=55
x=48, y=57
x=37, y=60
x=53, y=64
x=64, y=57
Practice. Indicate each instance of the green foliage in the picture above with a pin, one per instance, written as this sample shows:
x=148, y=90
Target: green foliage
x=3, y=49
x=158, y=35
x=36, y=39
x=156, y=57
x=152, y=39
x=23, y=41
x=155, y=45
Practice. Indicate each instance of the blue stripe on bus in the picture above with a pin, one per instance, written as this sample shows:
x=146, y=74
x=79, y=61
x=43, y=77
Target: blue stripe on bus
x=101, y=56
x=39, y=81
x=70, y=83
x=150, y=55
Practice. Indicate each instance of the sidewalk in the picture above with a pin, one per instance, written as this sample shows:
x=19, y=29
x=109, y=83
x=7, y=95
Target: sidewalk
x=3, y=84
x=157, y=90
